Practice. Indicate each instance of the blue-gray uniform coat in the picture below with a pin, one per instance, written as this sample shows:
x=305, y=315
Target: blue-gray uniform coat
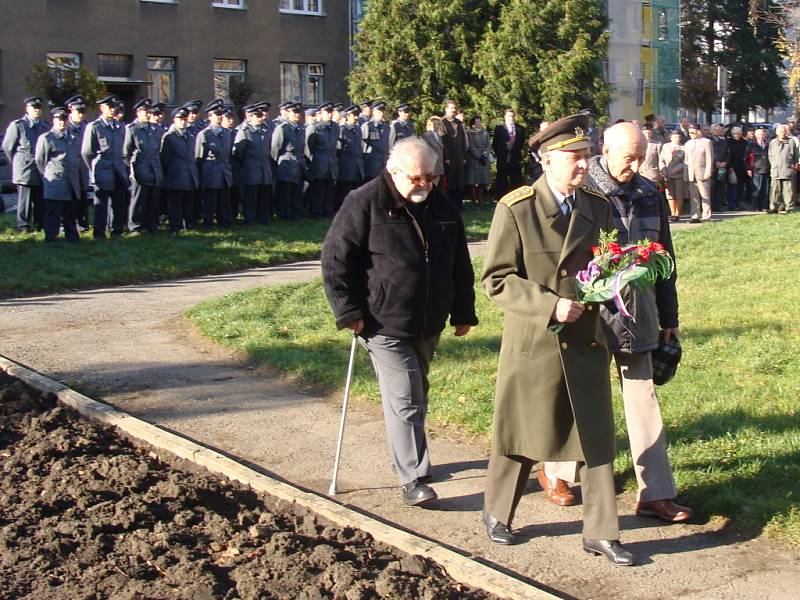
x=400, y=130
x=321, y=141
x=177, y=161
x=78, y=130
x=102, y=153
x=142, y=151
x=58, y=159
x=288, y=148
x=351, y=159
x=251, y=151
x=19, y=144
x=375, y=144
x=213, y=151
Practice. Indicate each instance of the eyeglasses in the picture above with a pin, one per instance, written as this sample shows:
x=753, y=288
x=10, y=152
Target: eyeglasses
x=421, y=179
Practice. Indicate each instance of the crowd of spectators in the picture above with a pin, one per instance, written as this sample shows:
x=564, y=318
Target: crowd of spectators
x=186, y=171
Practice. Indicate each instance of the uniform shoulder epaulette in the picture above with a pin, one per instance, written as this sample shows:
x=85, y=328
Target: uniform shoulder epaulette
x=594, y=192
x=518, y=195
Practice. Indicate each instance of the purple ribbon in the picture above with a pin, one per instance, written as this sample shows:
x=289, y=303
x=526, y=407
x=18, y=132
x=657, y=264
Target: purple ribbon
x=617, y=291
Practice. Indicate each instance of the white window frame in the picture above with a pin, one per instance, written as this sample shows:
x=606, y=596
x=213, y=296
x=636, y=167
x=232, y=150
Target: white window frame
x=233, y=4
x=226, y=73
x=61, y=68
x=153, y=71
x=304, y=11
x=307, y=71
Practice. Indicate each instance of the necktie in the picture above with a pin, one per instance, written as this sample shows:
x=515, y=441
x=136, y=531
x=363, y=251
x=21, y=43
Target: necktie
x=568, y=205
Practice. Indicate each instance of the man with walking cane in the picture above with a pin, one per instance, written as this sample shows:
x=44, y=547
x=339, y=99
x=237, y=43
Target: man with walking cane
x=395, y=265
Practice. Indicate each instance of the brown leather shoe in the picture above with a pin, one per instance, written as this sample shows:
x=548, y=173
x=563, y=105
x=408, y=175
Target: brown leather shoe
x=666, y=510
x=560, y=494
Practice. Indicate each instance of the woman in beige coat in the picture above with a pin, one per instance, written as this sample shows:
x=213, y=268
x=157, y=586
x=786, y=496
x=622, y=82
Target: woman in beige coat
x=672, y=162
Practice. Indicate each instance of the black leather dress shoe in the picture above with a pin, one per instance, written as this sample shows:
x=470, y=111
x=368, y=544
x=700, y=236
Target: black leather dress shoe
x=498, y=532
x=416, y=493
x=612, y=550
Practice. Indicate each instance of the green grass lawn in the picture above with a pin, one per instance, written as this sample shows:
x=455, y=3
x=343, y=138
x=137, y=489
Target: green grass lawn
x=28, y=265
x=731, y=412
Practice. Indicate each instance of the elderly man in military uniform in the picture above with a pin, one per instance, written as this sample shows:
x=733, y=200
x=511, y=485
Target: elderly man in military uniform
x=19, y=144
x=351, y=160
x=58, y=158
x=251, y=152
x=321, y=140
x=76, y=108
x=402, y=127
x=639, y=211
x=102, y=153
x=375, y=142
x=181, y=179
x=141, y=153
x=213, y=149
x=288, y=152
x=553, y=397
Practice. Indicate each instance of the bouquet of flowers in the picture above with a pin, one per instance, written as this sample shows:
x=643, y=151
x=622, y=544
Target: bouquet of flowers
x=614, y=267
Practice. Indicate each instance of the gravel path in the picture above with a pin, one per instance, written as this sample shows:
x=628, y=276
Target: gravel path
x=131, y=347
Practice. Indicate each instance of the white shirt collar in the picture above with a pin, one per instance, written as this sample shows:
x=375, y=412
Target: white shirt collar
x=560, y=198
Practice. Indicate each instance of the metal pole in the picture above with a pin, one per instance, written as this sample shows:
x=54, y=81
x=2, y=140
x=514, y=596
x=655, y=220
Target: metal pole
x=332, y=489
x=723, y=110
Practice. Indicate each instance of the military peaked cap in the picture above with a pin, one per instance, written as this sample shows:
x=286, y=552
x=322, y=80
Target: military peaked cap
x=58, y=112
x=263, y=105
x=352, y=109
x=143, y=104
x=252, y=108
x=76, y=101
x=180, y=112
x=404, y=107
x=378, y=104
x=110, y=100
x=568, y=133
x=326, y=106
x=34, y=101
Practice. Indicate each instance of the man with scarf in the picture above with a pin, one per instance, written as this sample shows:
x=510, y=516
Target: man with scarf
x=639, y=212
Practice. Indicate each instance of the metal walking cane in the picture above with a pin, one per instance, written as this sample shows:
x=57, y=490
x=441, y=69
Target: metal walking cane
x=332, y=489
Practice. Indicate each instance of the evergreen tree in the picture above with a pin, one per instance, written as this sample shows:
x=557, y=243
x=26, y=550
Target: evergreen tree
x=754, y=62
x=544, y=58
x=719, y=33
x=418, y=51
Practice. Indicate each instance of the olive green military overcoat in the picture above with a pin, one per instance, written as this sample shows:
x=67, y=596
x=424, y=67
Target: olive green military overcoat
x=553, y=396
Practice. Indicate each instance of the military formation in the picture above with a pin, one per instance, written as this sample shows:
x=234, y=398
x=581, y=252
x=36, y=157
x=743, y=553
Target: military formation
x=193, y=168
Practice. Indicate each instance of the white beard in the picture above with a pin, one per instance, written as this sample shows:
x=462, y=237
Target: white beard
x=417, y=197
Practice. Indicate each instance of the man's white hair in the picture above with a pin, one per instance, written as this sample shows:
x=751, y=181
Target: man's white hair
x=736, y=130
x=411, y=153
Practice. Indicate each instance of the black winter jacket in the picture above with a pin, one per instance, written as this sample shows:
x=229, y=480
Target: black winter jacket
x=402, y=275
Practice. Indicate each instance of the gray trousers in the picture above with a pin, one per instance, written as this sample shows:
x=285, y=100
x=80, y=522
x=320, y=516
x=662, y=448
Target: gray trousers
x=645, y=431
x=781, y=194
x=402, y=370
x=505, y=482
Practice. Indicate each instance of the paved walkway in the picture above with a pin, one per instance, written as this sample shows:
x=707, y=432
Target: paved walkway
x=131, y=347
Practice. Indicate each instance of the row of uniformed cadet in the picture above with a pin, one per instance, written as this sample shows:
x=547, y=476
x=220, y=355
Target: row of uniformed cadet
x=197, y=168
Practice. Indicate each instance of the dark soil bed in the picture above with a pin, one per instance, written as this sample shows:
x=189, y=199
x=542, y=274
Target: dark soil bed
x=85, y=513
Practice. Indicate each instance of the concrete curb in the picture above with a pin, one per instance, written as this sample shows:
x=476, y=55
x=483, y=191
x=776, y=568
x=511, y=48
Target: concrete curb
x=461, y=568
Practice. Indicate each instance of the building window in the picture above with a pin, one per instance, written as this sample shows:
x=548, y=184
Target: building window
x=227, y=75
x=161, y=74
x=228, y=3
x=160, y=1
x=62, y=62
x=114, y=65
x=303, y=7
x=302, y=83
